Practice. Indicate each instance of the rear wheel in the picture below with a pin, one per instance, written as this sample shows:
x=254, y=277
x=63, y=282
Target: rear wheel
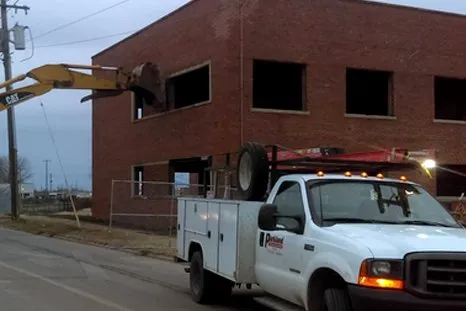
x=207, y=287
x=253, y=172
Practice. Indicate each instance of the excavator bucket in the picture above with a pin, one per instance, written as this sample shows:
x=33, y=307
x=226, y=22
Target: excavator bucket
x=146, y=82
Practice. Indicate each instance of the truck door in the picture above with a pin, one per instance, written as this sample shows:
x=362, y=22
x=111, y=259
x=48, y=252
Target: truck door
x=278, y=262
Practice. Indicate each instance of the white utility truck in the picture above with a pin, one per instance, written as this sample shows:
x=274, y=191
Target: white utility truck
x=344, y=237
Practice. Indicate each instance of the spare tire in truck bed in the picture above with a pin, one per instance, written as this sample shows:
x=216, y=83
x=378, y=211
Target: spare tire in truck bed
x=252, y=172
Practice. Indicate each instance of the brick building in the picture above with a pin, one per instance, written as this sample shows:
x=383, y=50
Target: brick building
x=300, y=73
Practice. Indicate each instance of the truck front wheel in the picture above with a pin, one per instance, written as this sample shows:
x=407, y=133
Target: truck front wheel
x=336, y=299
x=207, y=287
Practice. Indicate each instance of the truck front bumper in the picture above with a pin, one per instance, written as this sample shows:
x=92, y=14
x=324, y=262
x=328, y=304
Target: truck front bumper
x=363, y=299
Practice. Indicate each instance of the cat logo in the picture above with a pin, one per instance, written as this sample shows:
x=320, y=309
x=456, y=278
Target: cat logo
x=12, y=99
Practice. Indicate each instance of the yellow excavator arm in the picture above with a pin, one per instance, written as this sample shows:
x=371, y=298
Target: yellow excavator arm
x=144, y=80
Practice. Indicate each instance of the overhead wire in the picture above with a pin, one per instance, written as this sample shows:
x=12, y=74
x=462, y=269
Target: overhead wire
x=86, y=40
x=52, y=137
x=82, y=18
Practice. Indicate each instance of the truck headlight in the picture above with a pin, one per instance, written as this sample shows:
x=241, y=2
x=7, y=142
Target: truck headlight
x=380, y=273
x=381, y=268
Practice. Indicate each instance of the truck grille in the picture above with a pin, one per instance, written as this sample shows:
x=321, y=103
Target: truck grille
x=436, y=275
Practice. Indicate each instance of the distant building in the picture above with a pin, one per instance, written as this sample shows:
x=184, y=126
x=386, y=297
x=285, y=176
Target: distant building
x=83, y=195
x=27, y=191
x=64, y=194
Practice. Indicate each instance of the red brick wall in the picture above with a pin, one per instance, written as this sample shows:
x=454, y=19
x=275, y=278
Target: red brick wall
x=197, y=33
x=327, y=36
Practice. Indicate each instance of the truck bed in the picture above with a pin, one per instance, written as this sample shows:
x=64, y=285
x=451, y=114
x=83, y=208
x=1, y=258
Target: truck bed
x=224, y=229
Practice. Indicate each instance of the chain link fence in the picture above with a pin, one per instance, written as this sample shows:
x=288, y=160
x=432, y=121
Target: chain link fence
x=32, y=206
x=152, y=205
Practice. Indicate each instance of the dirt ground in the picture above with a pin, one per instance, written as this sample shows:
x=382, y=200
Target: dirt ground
x=83, y=212
x=122, y=239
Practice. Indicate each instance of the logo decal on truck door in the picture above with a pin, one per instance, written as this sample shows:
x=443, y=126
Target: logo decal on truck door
x=272, y=241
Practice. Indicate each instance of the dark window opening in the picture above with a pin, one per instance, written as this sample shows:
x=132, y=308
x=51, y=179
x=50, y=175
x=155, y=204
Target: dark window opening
x=278, y=85
x=450, y=99
x=143, y=107
x=189, y=88
x=451, y=180
x=138, y=177
x=369, y=92
x=190, y=175
x=138, y=105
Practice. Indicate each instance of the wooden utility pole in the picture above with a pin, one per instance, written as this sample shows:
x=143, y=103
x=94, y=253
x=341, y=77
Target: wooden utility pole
x=12, y=150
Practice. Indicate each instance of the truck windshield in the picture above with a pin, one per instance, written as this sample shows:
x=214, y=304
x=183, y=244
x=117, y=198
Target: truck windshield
x=340, y=201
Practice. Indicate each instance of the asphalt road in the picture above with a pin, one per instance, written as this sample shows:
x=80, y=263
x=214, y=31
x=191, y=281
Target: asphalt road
x=38, y=273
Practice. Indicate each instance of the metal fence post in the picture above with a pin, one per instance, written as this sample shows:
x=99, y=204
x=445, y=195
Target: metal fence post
x=173, y=198
x=110, y=218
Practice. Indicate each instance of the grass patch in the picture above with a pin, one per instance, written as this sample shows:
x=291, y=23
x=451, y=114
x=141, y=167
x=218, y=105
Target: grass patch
x=144, y=244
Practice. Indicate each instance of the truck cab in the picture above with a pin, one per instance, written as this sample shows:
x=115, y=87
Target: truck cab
x=336, y=242
x=349, y=239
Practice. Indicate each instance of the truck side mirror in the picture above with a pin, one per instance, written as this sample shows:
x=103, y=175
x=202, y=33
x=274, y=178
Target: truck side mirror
x=267, y=220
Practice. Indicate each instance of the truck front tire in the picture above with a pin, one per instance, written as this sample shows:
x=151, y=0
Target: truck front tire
x=336, y=299
x=207, y=287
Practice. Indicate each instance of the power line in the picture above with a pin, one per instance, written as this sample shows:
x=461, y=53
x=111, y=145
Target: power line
x=52, y=137
x=82, y=18
x=86, y=40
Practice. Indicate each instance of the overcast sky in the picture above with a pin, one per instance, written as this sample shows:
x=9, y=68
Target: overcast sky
x=69, y=119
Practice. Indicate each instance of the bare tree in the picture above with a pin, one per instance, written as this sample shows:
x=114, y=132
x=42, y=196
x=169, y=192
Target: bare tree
x=24, y=170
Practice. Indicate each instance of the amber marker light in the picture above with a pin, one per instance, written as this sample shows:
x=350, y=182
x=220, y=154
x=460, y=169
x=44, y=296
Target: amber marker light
x=320, y=174
x=348, y=174
x=403, y=178
x=380, y=176
x=380, y=283
x=364, y=174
